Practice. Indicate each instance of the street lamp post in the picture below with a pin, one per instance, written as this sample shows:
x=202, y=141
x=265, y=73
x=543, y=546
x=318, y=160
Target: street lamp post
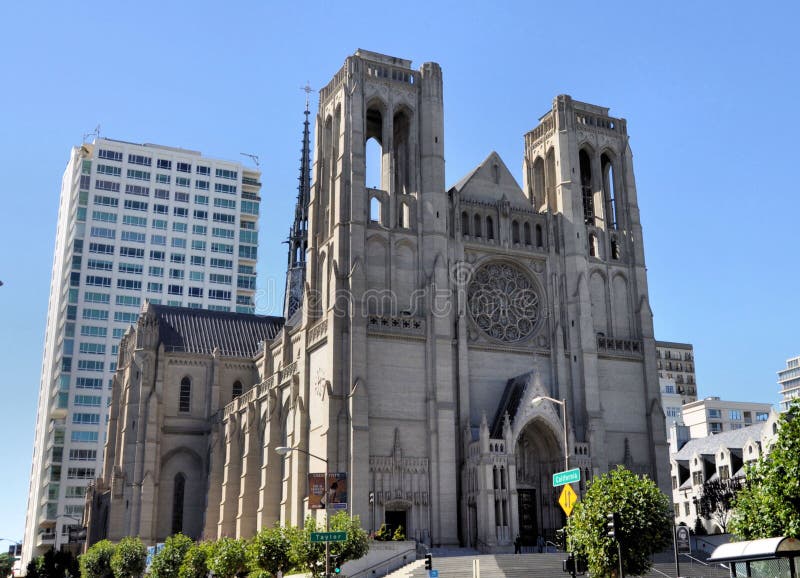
x=563, y=404
x=284, y=450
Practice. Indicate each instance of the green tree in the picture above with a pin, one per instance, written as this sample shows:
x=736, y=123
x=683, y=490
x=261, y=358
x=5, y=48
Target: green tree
x=645, y=523
x=195, y=562
x=53, y=564
x=310, y=556
x=769, y=504
x=129, y=558
x=716, y=500
x=6, y=564
x=228, y=558
x=96, y=562
x=268, y=552
x=167, y=562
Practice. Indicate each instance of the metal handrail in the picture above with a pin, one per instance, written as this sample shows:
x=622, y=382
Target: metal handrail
x=372, y=568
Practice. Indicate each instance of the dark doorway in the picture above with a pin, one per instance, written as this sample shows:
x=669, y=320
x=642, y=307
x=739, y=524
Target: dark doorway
x=528, y=527
x=395, y=519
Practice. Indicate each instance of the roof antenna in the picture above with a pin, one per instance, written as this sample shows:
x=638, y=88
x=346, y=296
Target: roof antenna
x=95, y=133
x=254, y=158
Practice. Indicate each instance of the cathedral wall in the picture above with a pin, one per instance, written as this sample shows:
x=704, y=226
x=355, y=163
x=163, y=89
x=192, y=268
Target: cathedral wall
x=622, y=399
x=396, y=384
x=489, y=372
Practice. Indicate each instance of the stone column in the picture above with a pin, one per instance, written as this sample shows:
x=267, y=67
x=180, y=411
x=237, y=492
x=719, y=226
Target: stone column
x=250, y=476
x=229, y=503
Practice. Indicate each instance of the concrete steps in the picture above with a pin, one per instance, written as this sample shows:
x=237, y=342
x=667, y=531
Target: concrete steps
x=454, y=565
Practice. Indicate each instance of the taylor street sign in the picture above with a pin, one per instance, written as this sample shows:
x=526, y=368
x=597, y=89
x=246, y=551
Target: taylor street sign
x=568, y=499
x=328, y=536
x=569, y=477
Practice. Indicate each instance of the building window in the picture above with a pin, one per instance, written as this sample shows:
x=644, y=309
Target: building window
x=178, y=492
x=237, y=389
x=185, y=399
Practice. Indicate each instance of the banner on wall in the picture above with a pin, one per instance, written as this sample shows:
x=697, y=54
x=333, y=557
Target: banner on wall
x=331, y=495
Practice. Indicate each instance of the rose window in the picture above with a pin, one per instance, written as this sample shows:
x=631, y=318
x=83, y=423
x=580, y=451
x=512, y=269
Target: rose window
x=503, y=302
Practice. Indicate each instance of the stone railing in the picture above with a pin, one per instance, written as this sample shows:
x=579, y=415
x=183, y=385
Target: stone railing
x=396, y=325
x=317, y=333
x=604, y=123
x=287, y=372
x=545, y=128
x=627, y=347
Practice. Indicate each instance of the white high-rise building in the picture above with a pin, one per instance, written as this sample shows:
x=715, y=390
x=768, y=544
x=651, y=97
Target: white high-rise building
x=136, y=222
x=789, y=380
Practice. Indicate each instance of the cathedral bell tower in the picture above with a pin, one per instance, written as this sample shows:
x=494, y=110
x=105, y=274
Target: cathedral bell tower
x=578, y=166
x=378, y=242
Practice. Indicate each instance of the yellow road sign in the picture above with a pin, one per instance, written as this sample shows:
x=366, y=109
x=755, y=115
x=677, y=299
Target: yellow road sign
x=567, y=499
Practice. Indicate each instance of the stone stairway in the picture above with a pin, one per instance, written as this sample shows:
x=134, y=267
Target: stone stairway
x=453, y=564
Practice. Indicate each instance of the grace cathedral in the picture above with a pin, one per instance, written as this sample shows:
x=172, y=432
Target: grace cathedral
x=424, y=330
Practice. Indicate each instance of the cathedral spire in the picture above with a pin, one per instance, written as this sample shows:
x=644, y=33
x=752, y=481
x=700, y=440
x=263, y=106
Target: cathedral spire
x=298, y=234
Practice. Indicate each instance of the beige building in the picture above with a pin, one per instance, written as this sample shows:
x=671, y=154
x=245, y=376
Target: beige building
x=713, y=415
x=676, y=378
x=430, y=319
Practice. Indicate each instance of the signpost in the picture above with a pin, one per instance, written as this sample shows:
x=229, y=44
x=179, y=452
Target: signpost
x=572, y=476
x=568, y=499
x=328, y=536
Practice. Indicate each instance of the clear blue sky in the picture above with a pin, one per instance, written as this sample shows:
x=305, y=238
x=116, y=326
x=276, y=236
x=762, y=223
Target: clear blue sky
x=710, y=91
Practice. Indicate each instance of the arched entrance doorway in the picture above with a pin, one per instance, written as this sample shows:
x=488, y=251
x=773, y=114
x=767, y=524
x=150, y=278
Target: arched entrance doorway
x=538, y=456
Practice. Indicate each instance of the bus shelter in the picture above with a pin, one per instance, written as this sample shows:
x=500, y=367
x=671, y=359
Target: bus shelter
x=767, y=558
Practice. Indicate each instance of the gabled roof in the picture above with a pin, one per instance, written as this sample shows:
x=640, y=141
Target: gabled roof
x=710, y=445
x=202, y=331
x=482, y=184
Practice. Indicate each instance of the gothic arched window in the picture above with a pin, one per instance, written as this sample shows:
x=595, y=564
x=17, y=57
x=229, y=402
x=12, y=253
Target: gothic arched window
x=526, y=228
x=489, y=229
x=237, y=389
x=515, y=232
x=476, y=223
x=464, y=223
x=185, y=395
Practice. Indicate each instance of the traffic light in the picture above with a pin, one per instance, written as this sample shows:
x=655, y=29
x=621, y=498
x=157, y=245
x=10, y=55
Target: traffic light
x=428, y=562
x=612, y=525
x=334, y=565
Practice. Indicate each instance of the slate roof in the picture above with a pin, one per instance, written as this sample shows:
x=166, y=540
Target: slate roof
x=201, y=331
x=712, y=444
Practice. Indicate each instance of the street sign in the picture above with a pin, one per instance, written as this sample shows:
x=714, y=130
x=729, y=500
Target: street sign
x=683, y=542
x=433, y=574
x=328, y=536
x=569, y=477
x=567, y=499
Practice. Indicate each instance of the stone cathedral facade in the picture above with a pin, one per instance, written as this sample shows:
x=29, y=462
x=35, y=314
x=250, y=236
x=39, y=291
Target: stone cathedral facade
x=424, y=322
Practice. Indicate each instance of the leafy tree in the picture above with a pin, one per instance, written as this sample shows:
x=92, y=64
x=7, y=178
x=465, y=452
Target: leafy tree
x=769, y=504
x=229, y=558
x=310, y=556
x=129, y=558
x=268, y=552
x=167, y=562
x=96, y=562
x=716, y=500
x=53, y=564
x=645, y=523
x=6, y=564
x=195, y=561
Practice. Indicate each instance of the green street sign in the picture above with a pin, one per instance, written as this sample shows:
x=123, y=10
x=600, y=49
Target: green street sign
x=569, y=477
x=328, y=536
